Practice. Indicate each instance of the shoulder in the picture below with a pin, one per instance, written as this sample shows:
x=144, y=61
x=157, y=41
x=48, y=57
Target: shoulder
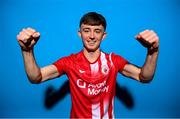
x=76, y=56
x=71, y=59
x=113, y=56
x=116, y=56
x=64, y=62
x=117, y=59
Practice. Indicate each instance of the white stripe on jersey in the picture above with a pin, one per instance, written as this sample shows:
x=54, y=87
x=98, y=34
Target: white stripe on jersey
x=110, y=59
x=103, y=59
x=94, y=68
x=106, y=106
x=113, y=108
x=96, y=113
x=104, y=65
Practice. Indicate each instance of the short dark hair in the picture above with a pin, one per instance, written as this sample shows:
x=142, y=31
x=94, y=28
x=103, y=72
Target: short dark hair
x=93, y=18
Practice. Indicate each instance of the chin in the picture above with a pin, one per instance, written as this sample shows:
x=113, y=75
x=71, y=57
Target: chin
x=91, y=49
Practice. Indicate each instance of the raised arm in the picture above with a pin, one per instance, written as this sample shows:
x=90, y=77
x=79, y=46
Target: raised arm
x=150, y=40
x=27, y=38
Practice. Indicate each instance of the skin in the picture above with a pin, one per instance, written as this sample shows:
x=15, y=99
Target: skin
x=92, y=37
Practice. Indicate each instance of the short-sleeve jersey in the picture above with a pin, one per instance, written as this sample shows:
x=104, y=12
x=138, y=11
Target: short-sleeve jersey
x=92, y=85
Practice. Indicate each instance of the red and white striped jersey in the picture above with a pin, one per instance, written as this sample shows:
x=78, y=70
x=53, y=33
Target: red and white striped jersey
x=92, y=85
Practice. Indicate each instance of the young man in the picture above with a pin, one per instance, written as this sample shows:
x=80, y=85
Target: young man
x=91, y=72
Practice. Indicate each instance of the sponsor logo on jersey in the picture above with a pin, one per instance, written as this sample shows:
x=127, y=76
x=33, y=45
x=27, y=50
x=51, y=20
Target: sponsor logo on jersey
x=93, y=89
x=81, y=71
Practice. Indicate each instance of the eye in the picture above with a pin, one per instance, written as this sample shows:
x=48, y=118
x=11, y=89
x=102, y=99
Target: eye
x=86, y=30
x=98, y=31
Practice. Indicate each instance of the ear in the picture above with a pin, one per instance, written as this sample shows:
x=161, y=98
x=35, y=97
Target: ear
x=104, y=35
x=79, y=33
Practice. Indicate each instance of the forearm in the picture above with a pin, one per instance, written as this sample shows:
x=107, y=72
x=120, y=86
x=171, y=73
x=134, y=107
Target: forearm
x=149, y=67
x=32, y=69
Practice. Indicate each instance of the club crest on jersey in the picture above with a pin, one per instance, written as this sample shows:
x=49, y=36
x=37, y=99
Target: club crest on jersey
x=105, y=69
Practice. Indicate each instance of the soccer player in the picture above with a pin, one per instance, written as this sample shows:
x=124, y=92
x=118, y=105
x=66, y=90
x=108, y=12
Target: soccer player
x=91, y=72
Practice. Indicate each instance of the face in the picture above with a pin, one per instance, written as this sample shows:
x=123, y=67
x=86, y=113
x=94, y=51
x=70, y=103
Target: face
x=92, y=36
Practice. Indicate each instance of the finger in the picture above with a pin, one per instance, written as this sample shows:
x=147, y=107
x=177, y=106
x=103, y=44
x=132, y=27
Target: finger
x=155, y=45
x=139, y=36
x=147, y=34
x=154, y=42
x=21, y=36
x=24, y=37
x=154, y=39
x=18, y=37
x=28, y=32
x=21, y=43
x=32, y=43
x=31, y=30
x=144, y=32
x=151, y=37
x=36, y=35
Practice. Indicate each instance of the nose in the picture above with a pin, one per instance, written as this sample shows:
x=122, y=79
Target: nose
x=91, y=35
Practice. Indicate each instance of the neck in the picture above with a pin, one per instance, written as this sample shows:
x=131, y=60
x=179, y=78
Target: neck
x=91, y=56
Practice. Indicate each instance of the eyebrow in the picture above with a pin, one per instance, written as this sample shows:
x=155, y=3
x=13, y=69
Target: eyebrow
x=85, y=28
x=94, y=29
x=98, y=29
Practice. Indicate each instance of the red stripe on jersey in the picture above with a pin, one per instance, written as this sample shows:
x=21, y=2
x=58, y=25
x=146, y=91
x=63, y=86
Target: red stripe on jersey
x=102, y=108
x=110, y=109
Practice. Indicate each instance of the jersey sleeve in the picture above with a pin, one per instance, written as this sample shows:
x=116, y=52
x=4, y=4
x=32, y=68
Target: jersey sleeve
x=61, y=65
x=119, y=62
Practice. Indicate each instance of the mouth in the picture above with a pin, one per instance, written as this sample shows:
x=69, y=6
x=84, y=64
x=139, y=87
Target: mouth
x=91, y=43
